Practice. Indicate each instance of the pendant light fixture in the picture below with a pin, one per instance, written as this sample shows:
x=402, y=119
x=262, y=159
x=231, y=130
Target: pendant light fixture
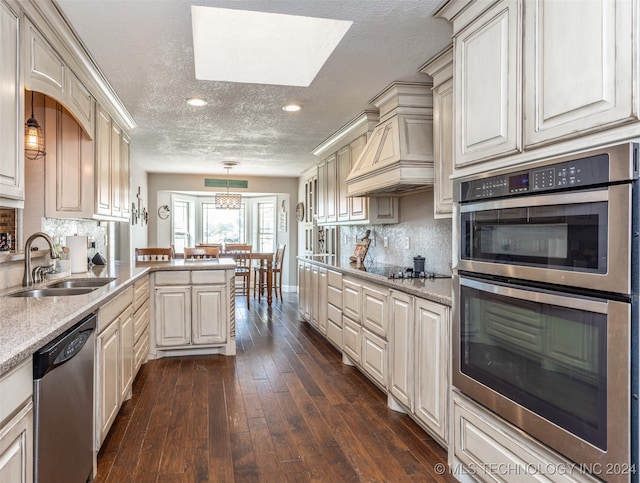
x=228, y=201
x=33, y=137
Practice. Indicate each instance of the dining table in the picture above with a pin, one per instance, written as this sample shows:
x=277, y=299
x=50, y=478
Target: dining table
x=266, y=264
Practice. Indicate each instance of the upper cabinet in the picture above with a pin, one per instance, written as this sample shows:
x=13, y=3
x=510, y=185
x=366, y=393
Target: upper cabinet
x=11, y=110
x=440, y=68
x=46, y=72
x=578, y=60
x=487, y=87
x=552, y=74
x=338, y=155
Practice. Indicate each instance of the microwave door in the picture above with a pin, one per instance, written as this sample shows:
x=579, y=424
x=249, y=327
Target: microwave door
x=579, y=239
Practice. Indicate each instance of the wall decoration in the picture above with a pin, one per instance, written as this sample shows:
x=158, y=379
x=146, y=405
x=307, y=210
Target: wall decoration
x=134, y=214
x=300, y=211
x=163, y=212
x=282, y=221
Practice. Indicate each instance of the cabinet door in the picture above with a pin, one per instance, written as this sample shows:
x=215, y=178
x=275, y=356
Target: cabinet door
x=321, y=192
x=69, y=165
x=116, y=172
x=344, y=167
x=578, y=65
x=322, y=300
x=302, y=290
x=126, y=353
x=103, y=163
x=16, y=443
x=173, y=316
x=443, y=149
x=487, y=85
x=431, y=365
x=209, y=314
x=358, y=204
x=125, y=182
x=313, y=295
x=108, y=379
x=331, y=190
x=11, y=110
x=401, y=343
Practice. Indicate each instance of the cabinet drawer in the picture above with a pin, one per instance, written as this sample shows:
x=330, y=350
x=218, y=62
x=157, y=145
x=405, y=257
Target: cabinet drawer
x=351, y=339
x=334, y=279
x=172, y=277
x=208, y=276
x=374, y=310
x=15, y=388
x=334, y=296
x=141, y=350
x=334, y=333
x=334, y=314
x=140, y=320
x=374, y=357
x=140, y=292
x=112, y=309
x=352, y=300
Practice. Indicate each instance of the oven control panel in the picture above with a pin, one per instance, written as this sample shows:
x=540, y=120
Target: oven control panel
x=590, y=171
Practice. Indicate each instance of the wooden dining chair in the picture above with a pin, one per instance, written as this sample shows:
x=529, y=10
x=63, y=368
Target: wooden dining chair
x=201, y=253
x=210, y=245
x=260, y=274
x=153, y=254
x=241, y=253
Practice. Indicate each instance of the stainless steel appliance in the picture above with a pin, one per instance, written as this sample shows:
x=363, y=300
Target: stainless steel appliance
x=545, y=301
x=63, y=401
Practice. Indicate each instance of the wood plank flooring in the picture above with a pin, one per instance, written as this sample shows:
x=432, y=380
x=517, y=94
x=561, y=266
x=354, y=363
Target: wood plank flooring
x=284, y=409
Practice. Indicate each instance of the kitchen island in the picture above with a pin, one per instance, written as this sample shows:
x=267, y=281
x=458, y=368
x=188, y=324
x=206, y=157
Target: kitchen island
x=28, y=323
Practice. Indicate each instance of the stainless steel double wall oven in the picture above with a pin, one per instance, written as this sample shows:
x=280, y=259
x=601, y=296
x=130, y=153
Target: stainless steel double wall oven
x=545, y=301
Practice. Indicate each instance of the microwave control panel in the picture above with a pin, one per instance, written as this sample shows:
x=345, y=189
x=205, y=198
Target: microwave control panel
x=576, y=173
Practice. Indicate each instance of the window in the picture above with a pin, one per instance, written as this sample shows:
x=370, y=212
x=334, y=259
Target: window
x=181, y=225
x=220, y=225
x=266, y=225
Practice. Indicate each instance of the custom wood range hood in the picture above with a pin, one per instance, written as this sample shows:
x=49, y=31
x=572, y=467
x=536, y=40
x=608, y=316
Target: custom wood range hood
x=398, y=158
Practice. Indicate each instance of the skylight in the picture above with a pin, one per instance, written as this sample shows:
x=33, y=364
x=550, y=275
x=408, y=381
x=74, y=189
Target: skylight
x=262, y=48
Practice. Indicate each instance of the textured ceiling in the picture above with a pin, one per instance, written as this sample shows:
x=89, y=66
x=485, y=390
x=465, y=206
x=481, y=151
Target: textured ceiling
x=144, y=48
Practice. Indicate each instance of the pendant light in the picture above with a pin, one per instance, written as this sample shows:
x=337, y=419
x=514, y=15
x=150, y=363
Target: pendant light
x=228, y=201
x=33, y=137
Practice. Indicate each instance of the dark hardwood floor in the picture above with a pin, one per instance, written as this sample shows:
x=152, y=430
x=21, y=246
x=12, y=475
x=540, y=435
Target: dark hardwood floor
x=284, y=409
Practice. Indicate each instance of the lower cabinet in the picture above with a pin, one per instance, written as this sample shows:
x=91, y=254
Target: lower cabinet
x=16, y=424
x=114, y=364
x=141, y=320
x=419, y=361
x=192, y=311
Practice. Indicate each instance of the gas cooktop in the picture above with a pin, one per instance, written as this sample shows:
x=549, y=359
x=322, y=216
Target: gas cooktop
x=393, y=271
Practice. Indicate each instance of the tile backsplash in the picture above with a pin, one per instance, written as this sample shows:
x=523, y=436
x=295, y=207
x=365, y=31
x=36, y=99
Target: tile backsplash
x=59, y=229
x=8, y=224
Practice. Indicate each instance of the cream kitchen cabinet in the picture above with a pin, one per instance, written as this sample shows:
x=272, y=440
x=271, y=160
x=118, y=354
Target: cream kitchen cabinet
x=440, y=68
x=487, y=84
x=69, y=165
x=338, y=155
x=314, y=299
x=47, y=72
x=192, y=312
x=141, y=321
x=334, y=308
x=114, y=367
x=321, y=295
x=11, y=109
x=16, y=424
x=419, y=372
x=579, y=67
x=111, y=177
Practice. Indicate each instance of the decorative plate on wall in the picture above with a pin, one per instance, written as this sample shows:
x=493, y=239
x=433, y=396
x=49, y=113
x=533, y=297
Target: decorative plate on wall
x=300, y=211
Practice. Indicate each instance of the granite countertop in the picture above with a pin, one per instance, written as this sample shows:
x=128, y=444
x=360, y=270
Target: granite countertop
x=434, y=289
x=28, y=323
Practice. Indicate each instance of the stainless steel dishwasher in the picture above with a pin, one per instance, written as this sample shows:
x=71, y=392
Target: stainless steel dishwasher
x=63, y=400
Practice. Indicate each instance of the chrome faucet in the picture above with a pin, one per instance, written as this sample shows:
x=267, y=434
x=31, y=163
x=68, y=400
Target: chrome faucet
x=27, y=278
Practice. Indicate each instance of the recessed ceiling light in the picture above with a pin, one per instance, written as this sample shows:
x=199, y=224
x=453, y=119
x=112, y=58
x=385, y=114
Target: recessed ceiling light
x=292, y=107
x=232, y=45
x=196, y=101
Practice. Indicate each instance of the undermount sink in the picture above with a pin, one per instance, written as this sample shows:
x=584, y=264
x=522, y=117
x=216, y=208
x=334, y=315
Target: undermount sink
x=53, y=292
x=77, y=282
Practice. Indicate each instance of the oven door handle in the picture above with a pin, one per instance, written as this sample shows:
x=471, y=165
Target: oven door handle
x=530, y=295
x=571, y=198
